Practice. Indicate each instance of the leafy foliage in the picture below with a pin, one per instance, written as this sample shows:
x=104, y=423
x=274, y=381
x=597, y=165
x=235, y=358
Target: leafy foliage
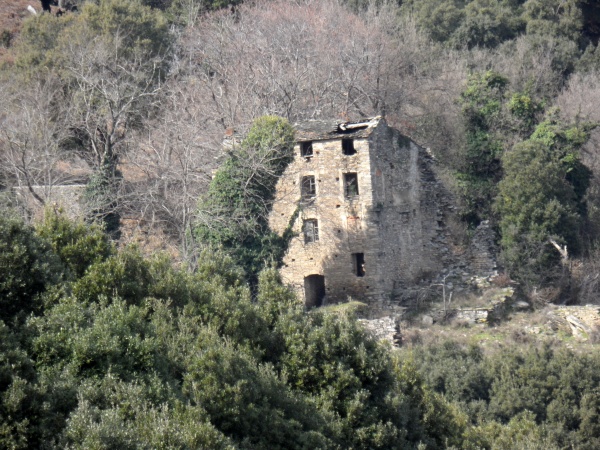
x=234, y=213
x=104, y=348
x=77, y=244
x=487, y=23
x=18, y=399
x=536, y=191
x=541, y=198
x=479, y=170
x=28, y=267
x=133, y=352
x=48, y=41
x=516, y=397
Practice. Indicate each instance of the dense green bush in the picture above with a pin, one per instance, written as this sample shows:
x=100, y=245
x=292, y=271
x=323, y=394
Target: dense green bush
x=541, y=197
x=46, y=41
x=104, y=348
x=487, y=23
x=28, y=266
x=77, y=244
x=518, y=396
x=478, y=169
x=19, y=402
x=133, y=352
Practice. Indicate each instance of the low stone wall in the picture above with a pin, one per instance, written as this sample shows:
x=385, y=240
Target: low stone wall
x=496, y=299
x=384, y=329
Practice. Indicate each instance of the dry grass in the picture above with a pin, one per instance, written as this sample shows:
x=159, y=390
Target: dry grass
x=13, y=12
x=539, y=298
x=468, y=300
x=150, y=240
x=351, y=306
x=502, y=280
x=525, y=328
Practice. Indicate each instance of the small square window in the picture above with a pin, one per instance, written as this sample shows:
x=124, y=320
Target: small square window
x=308, y=187
x=348, y=147
x=350, y=184
x=358, y=261
x=306, y=149
x=311, y=231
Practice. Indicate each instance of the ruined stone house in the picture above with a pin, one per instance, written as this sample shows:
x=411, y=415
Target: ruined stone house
x=364, y=206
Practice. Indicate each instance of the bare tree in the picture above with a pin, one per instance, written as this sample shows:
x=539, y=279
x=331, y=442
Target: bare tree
x=113, y=91
x=310, y=60
x=296, y=60
x=169, y=165
x=32, y=154
x=580, y=97
x=577, y=103
x=114, y=87
x=530, y=63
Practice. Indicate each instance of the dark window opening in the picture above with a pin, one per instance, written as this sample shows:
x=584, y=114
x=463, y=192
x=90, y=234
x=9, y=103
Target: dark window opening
x=308, y=187
x=358, y=260
x=348, y=147
x=311, y=231
x=314, y=290
x=306, y=149
x=350, y=184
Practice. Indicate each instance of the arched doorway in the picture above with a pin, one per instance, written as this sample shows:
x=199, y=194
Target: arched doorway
x=314, y=290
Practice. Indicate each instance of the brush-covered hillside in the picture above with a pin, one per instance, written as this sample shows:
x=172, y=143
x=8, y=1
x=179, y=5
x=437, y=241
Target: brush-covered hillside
x=148, y=312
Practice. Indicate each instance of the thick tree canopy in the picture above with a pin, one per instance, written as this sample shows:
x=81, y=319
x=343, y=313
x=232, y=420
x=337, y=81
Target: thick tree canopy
x=125, y=351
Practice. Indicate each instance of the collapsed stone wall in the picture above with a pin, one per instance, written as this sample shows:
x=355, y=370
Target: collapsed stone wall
x=412, y=216
x=583, y=321
x=483, y=250
x=383, y=329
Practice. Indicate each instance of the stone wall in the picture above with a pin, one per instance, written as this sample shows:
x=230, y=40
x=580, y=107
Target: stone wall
x=384, y=329
x=483, y=250
x=583, y=321
x=342, y=221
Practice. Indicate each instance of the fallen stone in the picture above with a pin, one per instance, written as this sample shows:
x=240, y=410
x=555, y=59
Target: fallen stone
x=427, y=320
x=577, y=324
x=521, y=305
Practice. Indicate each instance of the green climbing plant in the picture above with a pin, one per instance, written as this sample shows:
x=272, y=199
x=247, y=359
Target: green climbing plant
x=234, y=213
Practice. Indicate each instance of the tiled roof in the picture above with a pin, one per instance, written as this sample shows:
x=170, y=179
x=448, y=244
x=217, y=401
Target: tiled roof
x=318, y=130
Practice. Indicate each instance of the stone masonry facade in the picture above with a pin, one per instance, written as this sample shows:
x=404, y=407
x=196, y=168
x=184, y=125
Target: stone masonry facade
x=365, y=210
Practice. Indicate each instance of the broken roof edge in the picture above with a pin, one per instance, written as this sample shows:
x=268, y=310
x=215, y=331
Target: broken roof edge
x=320, y=130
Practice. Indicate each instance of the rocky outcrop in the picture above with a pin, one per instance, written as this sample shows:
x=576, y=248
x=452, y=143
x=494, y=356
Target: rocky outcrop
x=582, y=321
x=495, y=305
